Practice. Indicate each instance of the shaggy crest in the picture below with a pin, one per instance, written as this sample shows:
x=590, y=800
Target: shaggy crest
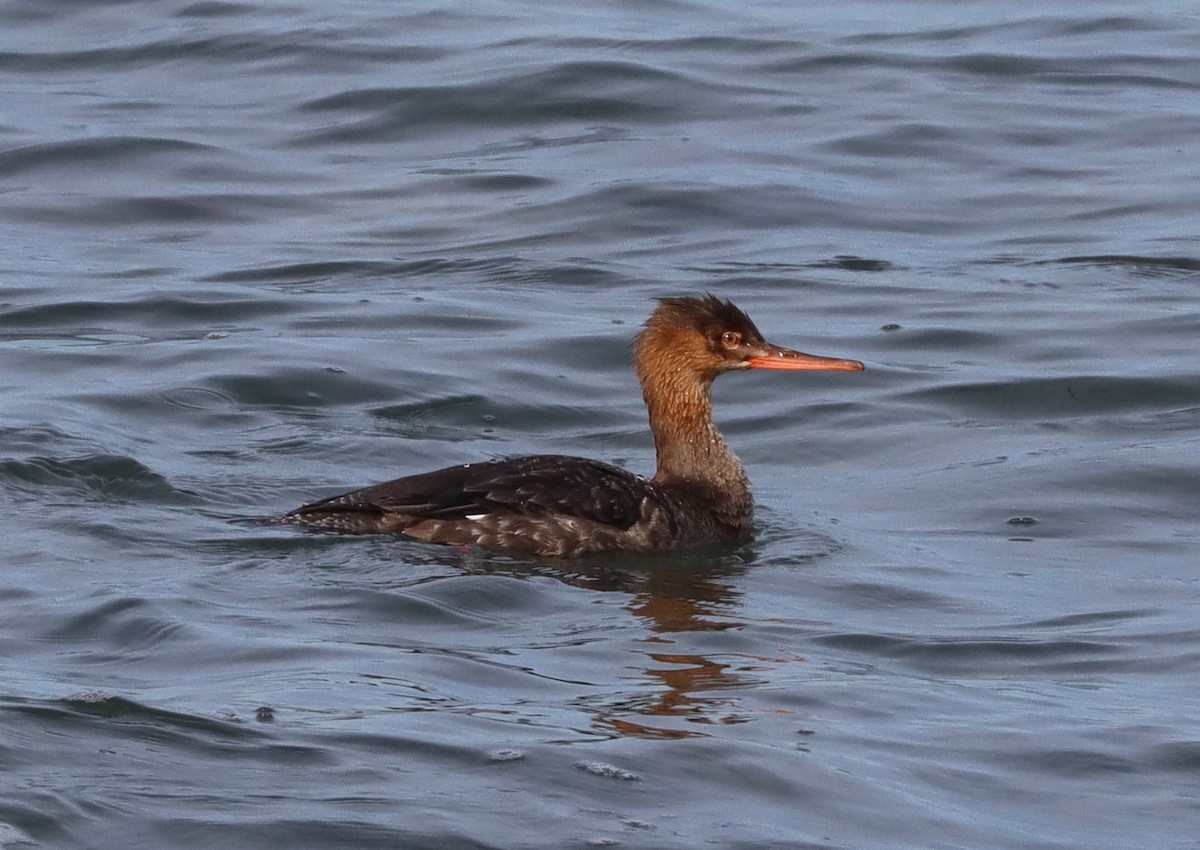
x=709, y=315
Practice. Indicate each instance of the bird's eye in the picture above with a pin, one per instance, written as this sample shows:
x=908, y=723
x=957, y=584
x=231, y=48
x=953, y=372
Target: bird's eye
x=730, y=339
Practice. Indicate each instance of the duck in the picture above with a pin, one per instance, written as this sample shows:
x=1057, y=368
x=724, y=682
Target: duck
x=561, y=506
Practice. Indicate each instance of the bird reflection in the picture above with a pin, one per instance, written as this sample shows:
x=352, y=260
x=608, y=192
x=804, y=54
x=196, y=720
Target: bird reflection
x=672, y=595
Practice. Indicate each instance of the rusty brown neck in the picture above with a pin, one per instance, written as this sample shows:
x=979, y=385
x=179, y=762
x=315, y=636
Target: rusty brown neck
x=689, y=446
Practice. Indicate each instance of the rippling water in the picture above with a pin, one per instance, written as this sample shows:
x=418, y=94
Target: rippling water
x=258, y=253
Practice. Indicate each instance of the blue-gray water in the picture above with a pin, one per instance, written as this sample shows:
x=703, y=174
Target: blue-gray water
x=257, y=253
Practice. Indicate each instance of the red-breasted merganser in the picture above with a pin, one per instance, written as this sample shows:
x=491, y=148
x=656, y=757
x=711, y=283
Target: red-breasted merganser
x=558, y=506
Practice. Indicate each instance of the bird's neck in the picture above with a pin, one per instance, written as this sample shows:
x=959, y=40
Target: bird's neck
x=688, y=444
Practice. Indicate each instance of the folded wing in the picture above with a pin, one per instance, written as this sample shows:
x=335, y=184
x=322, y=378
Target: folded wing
x=535, y=486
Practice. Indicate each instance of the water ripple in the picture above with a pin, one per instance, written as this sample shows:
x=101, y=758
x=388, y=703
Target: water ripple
x=259, y=253
x=105, y=478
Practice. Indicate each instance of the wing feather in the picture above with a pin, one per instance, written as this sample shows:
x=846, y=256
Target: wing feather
x=539, y=485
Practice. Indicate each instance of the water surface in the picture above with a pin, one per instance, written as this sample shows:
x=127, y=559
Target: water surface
x=260, y=253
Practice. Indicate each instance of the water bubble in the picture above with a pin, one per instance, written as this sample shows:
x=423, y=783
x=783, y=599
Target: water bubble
x=608, y=771
x=506, y=755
